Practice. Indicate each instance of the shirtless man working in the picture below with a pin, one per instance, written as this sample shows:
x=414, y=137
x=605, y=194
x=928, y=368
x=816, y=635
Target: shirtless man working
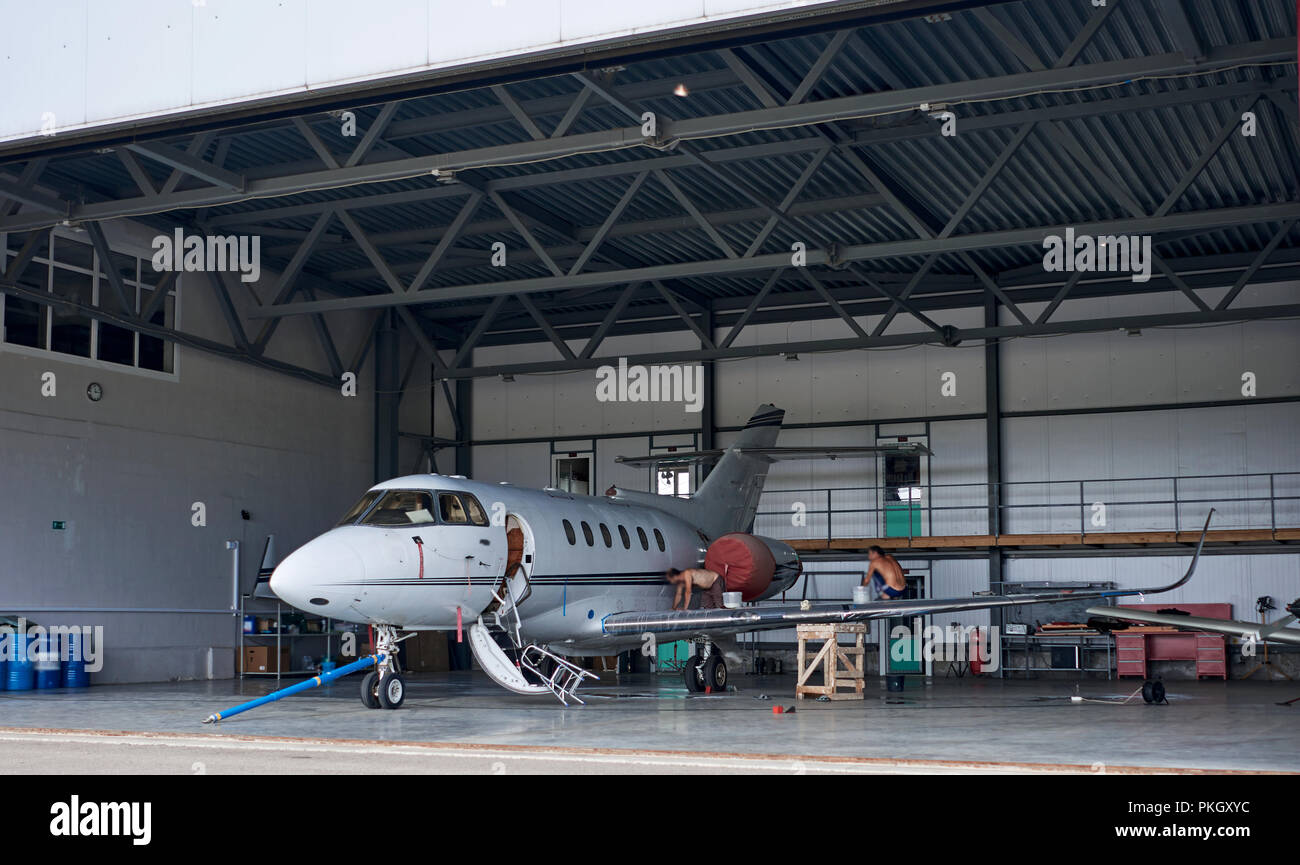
x=884, y=575
x=710, y=584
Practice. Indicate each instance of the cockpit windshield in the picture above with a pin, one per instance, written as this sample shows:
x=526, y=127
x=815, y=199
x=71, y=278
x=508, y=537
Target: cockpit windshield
x=359, y=508
x=401, y=508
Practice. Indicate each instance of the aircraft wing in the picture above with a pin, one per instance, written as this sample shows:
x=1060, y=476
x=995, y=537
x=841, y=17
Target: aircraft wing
x=1277, y=632
x=773, y=454
x=740, y=620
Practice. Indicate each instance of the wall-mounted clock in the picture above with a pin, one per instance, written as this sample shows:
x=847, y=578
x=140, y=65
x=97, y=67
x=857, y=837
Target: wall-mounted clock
x=95, y=391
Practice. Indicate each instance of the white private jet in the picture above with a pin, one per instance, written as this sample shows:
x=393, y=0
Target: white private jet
x=541, y=575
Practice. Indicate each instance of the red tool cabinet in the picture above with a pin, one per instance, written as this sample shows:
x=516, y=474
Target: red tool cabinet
x=1209, y=651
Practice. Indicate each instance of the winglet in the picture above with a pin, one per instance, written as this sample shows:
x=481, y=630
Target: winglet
x=1195, y=557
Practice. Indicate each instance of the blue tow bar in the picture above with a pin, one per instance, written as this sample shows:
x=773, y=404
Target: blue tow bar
x=313, y=682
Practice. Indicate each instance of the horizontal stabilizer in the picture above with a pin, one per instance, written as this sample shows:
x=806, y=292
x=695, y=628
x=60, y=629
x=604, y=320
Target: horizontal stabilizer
x=776, y=454
x=1276, y=632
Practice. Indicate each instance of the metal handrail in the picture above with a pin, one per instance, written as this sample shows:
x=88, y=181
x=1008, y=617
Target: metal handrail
x=1079, y=500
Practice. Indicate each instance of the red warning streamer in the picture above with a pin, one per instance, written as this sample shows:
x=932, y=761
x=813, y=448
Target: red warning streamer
x=419, y=545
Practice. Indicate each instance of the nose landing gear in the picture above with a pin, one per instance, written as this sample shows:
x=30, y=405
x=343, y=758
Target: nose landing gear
x=384, y=687
x=705, y=669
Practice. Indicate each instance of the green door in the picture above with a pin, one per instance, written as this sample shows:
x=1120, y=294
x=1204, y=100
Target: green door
x=902, y=521
x=904, y=652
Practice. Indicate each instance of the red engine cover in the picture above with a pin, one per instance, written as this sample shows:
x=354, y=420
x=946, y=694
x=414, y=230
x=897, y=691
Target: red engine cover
x=744, y=561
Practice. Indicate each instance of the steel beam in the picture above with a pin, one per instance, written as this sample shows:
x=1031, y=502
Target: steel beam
x=959, y=335
x=193, y=166
x=309, y=135
x=1219, y=217
x=1255, y=265
x=114, y=278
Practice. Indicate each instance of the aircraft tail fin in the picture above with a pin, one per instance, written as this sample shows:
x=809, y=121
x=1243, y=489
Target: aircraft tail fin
x=728, y=499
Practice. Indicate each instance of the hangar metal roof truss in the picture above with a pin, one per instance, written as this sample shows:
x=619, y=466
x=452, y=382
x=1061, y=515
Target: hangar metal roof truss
x=919, y=162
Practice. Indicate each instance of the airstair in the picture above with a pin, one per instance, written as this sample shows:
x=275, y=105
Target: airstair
x=549, y=671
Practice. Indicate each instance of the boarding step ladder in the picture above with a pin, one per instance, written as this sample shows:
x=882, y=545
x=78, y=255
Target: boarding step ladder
x=562, y=681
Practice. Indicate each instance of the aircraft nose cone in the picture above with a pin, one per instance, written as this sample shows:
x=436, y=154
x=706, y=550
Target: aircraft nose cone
x=311, y=577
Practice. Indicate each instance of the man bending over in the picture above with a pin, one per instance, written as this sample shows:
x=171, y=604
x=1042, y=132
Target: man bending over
x=710, y=584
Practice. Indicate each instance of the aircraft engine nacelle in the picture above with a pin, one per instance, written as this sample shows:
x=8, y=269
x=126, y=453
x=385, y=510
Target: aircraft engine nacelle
x=755, y=566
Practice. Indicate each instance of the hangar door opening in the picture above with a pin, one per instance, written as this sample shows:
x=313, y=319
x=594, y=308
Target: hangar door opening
x=904, y=507
x=901, y=636
x=572, y=473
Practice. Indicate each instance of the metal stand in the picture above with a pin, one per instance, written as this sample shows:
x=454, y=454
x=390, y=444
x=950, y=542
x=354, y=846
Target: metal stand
x=1263, y=605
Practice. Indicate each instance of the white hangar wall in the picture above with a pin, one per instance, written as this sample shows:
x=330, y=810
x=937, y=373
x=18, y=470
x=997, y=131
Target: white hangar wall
x=123, y=473
x=1163, y=366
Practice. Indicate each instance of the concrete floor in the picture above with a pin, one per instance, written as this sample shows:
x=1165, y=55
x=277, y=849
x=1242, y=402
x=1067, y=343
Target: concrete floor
x=461, y=722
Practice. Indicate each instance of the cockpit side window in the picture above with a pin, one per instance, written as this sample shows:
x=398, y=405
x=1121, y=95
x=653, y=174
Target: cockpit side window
x=451, y=509
x=476, y=515
x=401, y=508
x=359, y=508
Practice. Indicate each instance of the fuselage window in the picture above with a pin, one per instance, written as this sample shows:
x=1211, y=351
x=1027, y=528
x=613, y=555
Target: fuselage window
x=451, y=509
x=586, y=533
x=605, y=535
x=622, y=536
x=640, y=533
x=568, y=533
x=359, y=508
x=659, y=539
x=401, y=508
x=476, y=515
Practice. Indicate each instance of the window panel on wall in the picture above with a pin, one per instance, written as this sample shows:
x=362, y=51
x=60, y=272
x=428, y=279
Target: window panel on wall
x=69, y=329
x=74, y=253
x=158, y=354
x=117, y=344
x=125, y=266
x=25, y=320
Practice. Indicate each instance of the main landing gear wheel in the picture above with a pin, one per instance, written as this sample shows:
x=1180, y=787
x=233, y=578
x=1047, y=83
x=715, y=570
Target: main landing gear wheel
x=392, y=691
x=1153, y=691
x=369, y=690
x=693, y=675
x=715, y=672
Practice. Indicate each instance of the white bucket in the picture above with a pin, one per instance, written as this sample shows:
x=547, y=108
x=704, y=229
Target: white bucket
x=861, y=594
x=731, y=600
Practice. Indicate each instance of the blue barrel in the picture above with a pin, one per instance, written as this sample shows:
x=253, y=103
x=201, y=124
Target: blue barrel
x=75, y=675
x=4, y=675
x=48, y=674
x=22, y=672
x=74, y=663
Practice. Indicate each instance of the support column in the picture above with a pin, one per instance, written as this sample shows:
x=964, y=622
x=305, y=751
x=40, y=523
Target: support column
x=993, y=436
x=388, y=378
x=708, y=420
x=464, y=402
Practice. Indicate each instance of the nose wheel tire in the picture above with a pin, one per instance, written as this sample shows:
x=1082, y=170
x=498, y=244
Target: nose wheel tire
x=369, y=690
x=715, y=672
x=392, y=691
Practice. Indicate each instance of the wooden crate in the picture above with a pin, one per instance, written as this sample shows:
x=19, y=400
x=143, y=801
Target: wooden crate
x=841, y=666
